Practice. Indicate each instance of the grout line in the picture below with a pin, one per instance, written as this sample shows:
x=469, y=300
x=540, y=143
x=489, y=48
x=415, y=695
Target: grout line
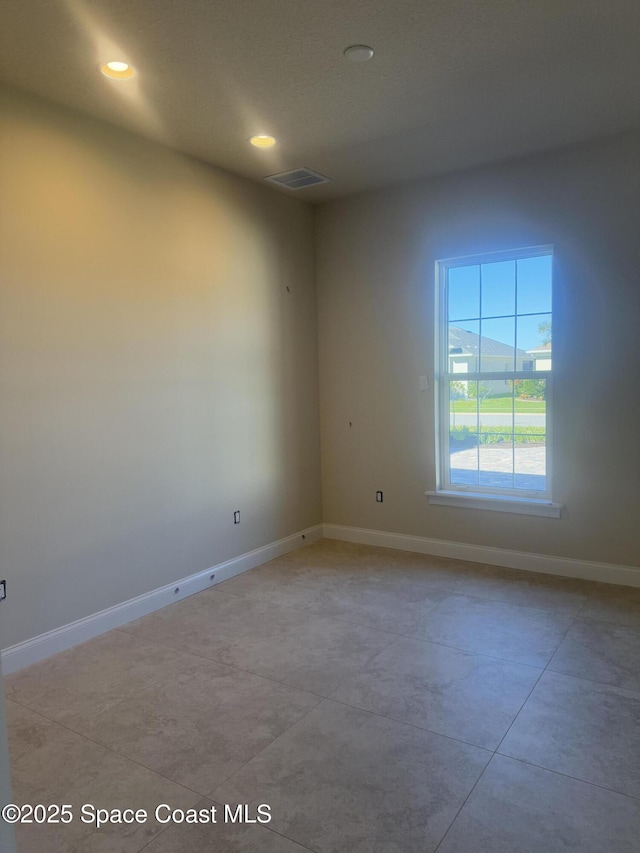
x=538, y=767
x=407, y=723
x=222, y=663
x=267, y=826
x=264, y=827
x=394, y=638
x=537, y=682
x=524, y=761
x=606, y=684
x=469, y=652
x=495, y=752
x=107, y=748
x=211, y=794
x=395, y=585
x=395, y=635
x=582, y=607
x=288, y=838
x=568, y=776
x=252, y=598
x=155, y=838
x=260, y=599
x=475, y=784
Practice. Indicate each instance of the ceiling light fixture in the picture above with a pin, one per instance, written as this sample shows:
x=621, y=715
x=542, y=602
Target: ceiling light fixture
x=358, y=53
x=118, y=70
x=262, y=140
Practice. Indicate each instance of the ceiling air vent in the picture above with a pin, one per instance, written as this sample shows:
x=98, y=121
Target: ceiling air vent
x=298, y=179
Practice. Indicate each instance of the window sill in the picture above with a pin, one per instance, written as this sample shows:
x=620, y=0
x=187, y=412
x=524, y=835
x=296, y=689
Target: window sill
x=495, y=503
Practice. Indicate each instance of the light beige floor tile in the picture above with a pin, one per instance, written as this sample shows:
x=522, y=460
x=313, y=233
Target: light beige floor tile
x=462, y=695
x=221, y=837
x=602, y=652
x=424, y=576
x=359, y=599
x=418, y=571
x=346, y=780
x=619, y=604
x=325, y=559
x=517, y=808
x=68, y=769
x=508, y=631
x=277, y=586
x=582, y=729
x=27, y=730
x=332, y=553
x=199, y=727
x=304, y=650
x=528, y=589
x=385, y=610
x=86, y=680
x=334, y=568
x=341, y=778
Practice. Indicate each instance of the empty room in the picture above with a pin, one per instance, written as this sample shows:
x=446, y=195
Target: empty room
x=319, y=456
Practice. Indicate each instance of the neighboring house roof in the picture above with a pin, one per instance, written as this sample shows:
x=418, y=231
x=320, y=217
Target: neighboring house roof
x=545, y=349
x=468, y=344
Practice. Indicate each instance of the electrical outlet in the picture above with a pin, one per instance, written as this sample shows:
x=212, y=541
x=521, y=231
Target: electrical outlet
x=379, y=497
x=236, y=517
x=3, y=590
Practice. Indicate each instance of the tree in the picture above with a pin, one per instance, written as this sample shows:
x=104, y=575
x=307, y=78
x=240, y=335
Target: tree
x=527, y=389
x=479, y=389
x=544, y=330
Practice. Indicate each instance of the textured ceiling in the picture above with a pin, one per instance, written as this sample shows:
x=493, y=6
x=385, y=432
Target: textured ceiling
x=453, y=83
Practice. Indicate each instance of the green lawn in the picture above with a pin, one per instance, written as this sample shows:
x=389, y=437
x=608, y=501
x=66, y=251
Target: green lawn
x=499, y=404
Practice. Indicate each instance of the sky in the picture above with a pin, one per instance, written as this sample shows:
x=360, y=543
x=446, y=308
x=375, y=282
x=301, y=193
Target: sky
x=509, y=289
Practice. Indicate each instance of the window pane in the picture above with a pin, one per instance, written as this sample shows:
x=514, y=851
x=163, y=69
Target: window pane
x=496, y=406
x=463, y=433
x=530, y=462
x=497, y=325
x=534, y=340
x=530, y=430
x=464, y=346
x=498, y=339
x=464, y=292
x=498, y=289
x=496, y=461
x=534, y=285
x=495, y=434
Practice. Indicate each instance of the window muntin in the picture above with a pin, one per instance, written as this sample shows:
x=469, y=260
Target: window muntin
x=494, y=374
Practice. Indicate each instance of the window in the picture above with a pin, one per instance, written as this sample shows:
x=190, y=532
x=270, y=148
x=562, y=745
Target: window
x=493, y=372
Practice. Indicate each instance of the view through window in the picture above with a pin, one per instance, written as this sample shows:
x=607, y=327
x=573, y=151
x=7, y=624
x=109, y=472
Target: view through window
x=495, y=355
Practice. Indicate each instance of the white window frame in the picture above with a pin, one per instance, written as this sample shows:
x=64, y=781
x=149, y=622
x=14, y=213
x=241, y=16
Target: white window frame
x=483, y=497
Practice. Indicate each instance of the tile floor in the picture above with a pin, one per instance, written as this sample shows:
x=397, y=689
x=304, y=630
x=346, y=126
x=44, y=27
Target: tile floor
x=378, y=701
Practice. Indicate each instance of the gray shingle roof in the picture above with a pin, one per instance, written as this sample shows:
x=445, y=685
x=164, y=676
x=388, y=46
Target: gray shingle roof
x=468, y=343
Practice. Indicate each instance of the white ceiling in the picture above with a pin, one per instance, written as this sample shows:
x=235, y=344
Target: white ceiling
x=453, y=83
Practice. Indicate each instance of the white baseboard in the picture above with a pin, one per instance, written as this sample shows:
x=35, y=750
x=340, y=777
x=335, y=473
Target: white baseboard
x=567, y=567
x=41, y=647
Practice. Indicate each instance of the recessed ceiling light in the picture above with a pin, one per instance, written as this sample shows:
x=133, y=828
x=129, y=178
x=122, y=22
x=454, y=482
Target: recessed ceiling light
x=359, y=53
x=262, y=140
x=117, y=70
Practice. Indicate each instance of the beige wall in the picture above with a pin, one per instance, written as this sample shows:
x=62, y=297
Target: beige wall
x=376, y=255
x=156, y=373
x=7, y=836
